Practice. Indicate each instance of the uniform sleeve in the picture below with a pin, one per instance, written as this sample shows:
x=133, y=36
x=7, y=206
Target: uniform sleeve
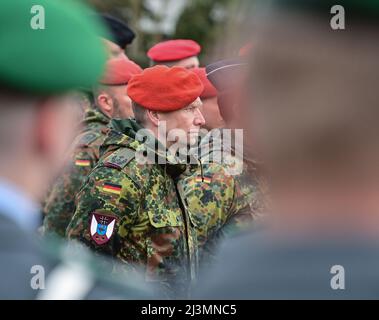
x=241, y=212
x=107, y=207
x=59, y=205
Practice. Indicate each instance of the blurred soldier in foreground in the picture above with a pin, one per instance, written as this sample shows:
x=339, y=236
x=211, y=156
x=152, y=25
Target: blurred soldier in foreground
x=112, y=101
x=37, y=124
x=312, y=114
x=178, y=52
x=133, y=210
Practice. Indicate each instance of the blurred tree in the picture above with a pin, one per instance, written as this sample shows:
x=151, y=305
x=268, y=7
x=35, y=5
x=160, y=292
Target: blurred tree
x=205, y=21
x=130, y=11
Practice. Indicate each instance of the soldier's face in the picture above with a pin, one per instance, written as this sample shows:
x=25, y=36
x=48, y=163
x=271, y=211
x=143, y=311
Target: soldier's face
x=187, y=121
x=211, y=114
x=114, y=50
x=122, y=105
x=188, y=63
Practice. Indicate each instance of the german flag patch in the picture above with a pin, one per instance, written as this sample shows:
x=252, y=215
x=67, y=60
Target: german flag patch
x=82, y=163
x=203, y=179
x=112, y=188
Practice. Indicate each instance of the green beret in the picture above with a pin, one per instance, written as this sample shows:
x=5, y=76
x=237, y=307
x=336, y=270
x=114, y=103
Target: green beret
x=49, y=46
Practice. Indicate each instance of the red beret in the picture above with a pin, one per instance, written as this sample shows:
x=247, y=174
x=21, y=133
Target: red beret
x=119, y=71
x=209, y=90
x=161, y=88
x=174, y=50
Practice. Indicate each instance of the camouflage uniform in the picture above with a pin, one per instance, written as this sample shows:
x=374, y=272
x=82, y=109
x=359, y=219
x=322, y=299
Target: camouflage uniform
x=134, y=212
x=60, y=203
x=221, y=203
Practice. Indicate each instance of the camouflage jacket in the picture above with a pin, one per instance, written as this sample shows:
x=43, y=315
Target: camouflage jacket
x=223, y=197
x=59, y=205
x=135, y=213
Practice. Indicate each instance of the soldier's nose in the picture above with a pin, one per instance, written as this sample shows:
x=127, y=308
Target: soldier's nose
x=199, y=118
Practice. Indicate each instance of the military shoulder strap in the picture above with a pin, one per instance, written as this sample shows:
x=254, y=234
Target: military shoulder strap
x=120, y=158
x=87, y=138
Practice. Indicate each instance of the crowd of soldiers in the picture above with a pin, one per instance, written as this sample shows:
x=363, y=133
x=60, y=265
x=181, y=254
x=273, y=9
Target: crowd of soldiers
x=142, y=175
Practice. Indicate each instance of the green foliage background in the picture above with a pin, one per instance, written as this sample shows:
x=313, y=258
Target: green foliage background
x=204, y=21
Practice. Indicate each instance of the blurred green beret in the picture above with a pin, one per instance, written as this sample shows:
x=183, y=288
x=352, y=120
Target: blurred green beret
x=49, y=46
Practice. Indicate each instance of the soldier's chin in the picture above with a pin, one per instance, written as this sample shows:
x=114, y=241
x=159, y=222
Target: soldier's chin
x=192, y=139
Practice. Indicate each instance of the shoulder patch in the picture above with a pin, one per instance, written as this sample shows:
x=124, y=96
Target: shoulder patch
x=120, y=158
x=87, y=138
x=102, y=227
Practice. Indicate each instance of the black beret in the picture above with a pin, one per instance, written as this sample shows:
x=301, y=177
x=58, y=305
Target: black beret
x=119, y=30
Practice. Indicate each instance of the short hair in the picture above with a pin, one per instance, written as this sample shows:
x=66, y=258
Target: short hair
x=98, y=89
x=164, y=63
x=139, y=112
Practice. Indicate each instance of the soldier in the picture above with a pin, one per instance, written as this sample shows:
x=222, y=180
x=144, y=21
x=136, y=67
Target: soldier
x=119, y=36
x=218, y=199
x=111, y=102
x=228, y=77
x=178, y=52
x=36, y=126
x=210, y=109
x=134, y=211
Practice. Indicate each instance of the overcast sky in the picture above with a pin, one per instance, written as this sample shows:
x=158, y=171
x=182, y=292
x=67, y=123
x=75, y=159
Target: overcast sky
x=169, y=10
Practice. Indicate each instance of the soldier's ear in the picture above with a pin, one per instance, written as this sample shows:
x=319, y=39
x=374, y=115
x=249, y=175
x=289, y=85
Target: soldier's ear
x=105, y=103
x=153, y=117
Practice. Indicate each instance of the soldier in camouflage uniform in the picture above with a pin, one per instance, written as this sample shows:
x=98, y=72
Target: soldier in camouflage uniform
x=221, y=197
x=111, y=101
x=135, y=211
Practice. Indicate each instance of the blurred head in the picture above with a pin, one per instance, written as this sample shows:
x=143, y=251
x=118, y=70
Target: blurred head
x=35, y=134
x=210, y=108
x=228, y=77
x=38, y=120
x=311, y=112
x=118, y=37
x=113, y=49
x=211, y=113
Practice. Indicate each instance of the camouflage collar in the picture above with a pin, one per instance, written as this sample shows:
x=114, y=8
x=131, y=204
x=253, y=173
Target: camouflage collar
x=124, y=134
x=95, y=116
